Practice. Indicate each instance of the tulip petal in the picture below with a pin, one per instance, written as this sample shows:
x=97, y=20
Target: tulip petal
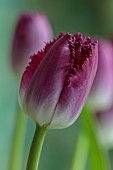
x=73, y=99
x=43, y=93
x=31, y=68
x=36, y=59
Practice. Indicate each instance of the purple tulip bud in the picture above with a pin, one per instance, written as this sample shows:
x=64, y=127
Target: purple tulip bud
x=57, y=81
x=105, y=125
x=32, y=31
x=102, y=90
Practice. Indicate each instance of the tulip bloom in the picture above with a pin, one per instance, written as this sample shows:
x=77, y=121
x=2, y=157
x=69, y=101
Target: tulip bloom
x=105, y=125
x=31, y=33
x=56, y=84
x=102, y=90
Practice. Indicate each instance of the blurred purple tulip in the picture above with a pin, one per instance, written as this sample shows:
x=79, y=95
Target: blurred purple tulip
x=56, y=84
x=101, y=95
x=105, y=124
x=31, y=33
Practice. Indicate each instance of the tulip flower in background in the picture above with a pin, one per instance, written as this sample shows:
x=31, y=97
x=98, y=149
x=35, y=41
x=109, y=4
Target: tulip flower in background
x=102, y=90
x=105, y=126
x=31, y=33
x=56, y=84
x=101, y=95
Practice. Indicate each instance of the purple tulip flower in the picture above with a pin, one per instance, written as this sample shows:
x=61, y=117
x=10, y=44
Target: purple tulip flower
x=56, y=84
x=31, y=33
x=102, y=90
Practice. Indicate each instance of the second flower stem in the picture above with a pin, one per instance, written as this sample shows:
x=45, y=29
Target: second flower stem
x=18, y=141
x=98, y=155
x=81, y=152
x=36, y=147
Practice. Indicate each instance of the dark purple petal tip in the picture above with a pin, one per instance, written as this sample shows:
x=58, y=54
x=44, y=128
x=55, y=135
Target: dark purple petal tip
x=80, y=50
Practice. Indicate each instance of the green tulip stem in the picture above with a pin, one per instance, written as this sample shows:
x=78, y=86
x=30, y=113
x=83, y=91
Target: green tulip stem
x=18, y=141
x=36, y=147
x=81, y=152
x=97, y=154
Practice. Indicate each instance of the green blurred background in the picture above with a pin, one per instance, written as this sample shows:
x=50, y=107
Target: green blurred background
x=87, y=16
